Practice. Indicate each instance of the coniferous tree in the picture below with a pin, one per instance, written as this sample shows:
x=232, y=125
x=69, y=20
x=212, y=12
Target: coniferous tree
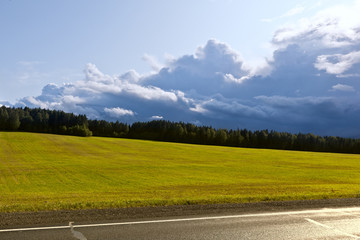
x=14, y=121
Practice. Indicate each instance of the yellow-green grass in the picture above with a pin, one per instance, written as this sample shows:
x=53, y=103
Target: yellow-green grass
x=51, y=172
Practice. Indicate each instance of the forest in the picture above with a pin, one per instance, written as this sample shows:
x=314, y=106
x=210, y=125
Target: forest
x=59, y=122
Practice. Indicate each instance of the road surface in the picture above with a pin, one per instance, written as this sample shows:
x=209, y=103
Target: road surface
x=328, y=223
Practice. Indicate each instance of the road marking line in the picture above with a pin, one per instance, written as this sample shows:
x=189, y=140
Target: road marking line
x=189, y=219
x=318, y=223
x=332, y=228
x=33, y=229
x=350, y=214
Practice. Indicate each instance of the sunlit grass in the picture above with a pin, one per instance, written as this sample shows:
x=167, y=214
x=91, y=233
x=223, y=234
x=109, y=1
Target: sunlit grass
x=49, y=172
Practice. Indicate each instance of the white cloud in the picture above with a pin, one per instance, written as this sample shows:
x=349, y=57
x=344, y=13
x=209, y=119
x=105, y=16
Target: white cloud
x=350, y=75
x=97, y=82
x=153, y=62
x=118, y=112
x=292, y=12
x=73, y=99
x=343, y=87
x=156, y=117
x=214, y=64
x=337, y=63
x=149, y=92
x=333, y=27
x=31, y=101
x=228, y=77
x=199, y=108
x=5, y=103
x=92, y=74
x=130, y=76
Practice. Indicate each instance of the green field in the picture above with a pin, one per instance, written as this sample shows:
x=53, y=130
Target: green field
x=50, y=172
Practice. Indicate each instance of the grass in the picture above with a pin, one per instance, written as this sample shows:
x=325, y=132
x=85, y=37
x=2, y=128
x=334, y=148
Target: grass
x=52, y=172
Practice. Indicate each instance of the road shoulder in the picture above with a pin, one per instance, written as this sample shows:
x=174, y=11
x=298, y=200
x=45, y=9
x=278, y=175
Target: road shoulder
x=48, y=218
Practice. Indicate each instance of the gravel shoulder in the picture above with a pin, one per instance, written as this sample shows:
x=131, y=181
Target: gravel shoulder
x=51, y=218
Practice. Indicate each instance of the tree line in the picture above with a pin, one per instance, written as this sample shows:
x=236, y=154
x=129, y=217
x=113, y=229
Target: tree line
x=59, y=122
x=43, y=121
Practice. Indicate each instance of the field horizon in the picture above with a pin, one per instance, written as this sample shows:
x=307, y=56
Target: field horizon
x=56, y=172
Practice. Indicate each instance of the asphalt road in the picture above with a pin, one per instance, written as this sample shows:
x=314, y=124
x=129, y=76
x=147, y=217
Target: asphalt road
x=329, y=223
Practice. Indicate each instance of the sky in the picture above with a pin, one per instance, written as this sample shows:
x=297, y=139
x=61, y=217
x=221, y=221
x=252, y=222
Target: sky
x=282, y=65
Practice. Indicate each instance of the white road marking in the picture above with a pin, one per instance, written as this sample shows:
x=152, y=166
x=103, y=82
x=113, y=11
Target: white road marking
x=332, y=228
x=350, y=214
x=191, y=219
x=318, y=223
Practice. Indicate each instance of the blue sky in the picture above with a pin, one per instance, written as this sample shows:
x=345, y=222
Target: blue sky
x=283, y=65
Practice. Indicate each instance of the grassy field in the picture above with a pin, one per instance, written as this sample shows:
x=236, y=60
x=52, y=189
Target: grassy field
x=49, y=172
